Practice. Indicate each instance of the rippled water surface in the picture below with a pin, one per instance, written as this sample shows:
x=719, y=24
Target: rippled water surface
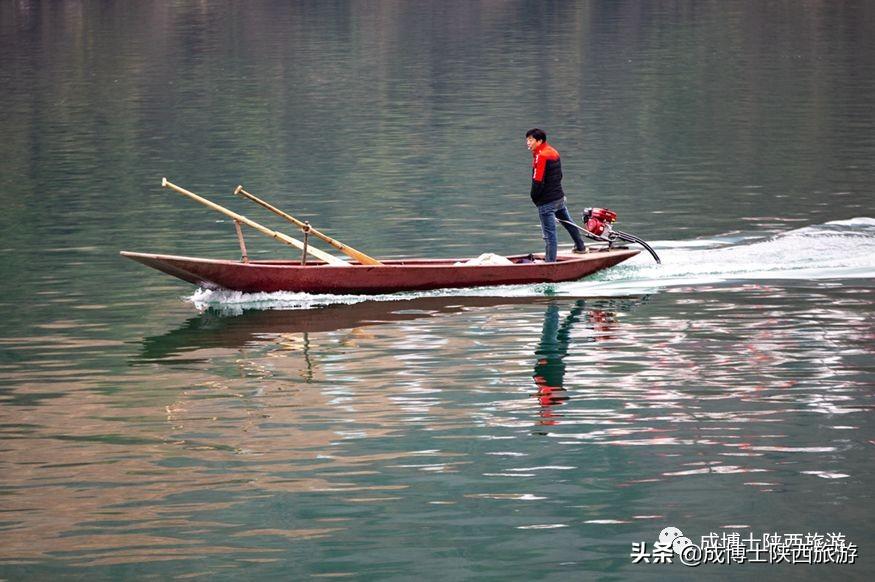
x=151, y=430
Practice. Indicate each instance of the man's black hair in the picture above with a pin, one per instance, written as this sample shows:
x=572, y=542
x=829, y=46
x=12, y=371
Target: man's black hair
x=536, y=133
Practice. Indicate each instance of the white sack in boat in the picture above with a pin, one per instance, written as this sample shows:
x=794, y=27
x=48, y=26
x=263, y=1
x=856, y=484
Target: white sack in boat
x=486, y=259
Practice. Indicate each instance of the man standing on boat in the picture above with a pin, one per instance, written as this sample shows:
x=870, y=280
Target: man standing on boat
x=547, y=193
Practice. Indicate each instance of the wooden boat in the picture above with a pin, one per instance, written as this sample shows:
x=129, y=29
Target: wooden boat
x=325, y=273
x=389, y=276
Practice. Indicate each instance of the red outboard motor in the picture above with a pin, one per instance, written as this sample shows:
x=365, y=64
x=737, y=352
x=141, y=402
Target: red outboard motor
x=599, y=226
x=597, y=219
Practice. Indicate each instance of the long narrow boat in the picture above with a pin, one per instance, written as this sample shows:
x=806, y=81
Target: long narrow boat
x=387, y=277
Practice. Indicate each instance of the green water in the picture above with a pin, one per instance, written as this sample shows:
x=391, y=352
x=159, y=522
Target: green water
x=149, y=430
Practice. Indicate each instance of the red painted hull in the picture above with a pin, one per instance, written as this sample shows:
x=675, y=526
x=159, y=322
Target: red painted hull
x=390, y=277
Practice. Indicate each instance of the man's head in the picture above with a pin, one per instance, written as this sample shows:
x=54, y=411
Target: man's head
x=535, y=137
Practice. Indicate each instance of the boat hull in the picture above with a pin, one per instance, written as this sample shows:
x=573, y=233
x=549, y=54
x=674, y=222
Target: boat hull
x=390, y=277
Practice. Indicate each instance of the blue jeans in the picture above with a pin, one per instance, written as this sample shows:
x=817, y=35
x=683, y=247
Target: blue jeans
x=548, y=214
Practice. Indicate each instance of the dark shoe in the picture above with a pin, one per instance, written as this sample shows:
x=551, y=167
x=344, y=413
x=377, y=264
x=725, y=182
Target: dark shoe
x=579, y=251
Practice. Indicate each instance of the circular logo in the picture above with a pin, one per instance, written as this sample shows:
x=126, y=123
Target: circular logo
x=669, y=535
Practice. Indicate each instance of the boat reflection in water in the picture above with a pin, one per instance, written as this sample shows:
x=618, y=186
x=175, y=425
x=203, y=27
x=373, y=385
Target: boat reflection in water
x=216, y=329
x=367, y=347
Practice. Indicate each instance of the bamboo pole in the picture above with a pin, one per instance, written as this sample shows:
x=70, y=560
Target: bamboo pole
x=243, y=255
x=283, y=238
x=305, y=227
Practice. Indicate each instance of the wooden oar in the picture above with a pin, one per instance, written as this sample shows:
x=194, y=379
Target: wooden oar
x=346, y=249
x=284, y=238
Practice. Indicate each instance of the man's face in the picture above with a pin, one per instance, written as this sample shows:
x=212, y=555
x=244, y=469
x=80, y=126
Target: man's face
x=532, y=143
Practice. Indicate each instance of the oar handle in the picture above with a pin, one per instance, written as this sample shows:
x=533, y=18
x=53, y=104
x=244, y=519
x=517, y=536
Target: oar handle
x=284, y=238
x=305, y=227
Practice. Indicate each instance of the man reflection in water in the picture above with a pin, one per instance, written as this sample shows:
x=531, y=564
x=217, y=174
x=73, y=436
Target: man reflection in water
x=549, y=373
x=550, y=368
